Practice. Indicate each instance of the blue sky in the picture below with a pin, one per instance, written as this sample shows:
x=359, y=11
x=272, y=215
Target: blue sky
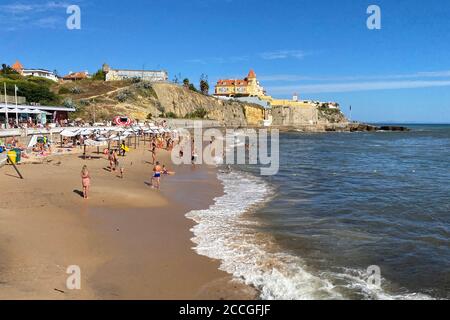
x=320, y=49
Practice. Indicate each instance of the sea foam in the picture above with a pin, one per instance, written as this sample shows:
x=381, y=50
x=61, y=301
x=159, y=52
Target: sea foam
x=229, y=232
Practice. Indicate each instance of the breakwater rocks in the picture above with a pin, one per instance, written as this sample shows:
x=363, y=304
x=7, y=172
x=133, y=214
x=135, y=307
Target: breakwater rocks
x=362, y=127
x=342, y=127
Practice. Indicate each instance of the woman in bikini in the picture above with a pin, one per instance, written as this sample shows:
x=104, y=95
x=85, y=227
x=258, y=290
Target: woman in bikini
x=85, y=181
x=153, y=152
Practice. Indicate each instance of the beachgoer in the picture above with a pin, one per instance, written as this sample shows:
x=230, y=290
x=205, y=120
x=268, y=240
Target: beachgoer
x=85, y=181
x=112, y=161
x=194, y=156
x=121, y=168
x=123, y=149
x=156, y=175
x=153, y=152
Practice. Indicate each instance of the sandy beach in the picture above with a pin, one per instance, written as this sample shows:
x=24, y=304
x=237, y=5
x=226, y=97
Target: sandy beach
x=130, y=241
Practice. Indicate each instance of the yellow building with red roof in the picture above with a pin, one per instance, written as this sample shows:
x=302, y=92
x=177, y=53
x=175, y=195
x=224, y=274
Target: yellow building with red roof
x=247, y=87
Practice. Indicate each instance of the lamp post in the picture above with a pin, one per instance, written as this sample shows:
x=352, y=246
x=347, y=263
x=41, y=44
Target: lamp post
x=6, y=106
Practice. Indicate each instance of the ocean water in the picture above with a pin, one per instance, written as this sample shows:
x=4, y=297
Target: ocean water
x=341, y=202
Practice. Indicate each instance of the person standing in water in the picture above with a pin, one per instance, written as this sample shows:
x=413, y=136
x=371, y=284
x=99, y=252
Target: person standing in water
x=85, y=181
x=156, y=178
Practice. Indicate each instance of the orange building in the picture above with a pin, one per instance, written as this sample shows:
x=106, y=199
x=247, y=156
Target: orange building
x=76, y=76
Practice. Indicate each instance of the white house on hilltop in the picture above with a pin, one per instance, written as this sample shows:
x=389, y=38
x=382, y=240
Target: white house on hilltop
x=41, y=73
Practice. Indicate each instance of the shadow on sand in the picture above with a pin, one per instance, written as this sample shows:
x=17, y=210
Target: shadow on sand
x=78, y=192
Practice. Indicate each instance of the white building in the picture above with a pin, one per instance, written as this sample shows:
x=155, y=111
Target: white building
x=41, y=73
x=123, y=74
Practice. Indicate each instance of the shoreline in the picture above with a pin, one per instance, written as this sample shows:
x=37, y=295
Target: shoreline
x=131, y=242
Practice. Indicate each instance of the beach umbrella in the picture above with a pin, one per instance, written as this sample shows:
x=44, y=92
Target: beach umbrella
x=68, y=133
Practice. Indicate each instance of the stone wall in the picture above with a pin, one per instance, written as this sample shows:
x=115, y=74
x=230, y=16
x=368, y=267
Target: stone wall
x=12, y=100
x=294, y=116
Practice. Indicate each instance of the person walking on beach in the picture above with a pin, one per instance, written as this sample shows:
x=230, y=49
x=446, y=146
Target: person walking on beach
x=123, y=149
x=85, y=181
x=156, y=178
x=112, y=160
x=120, y=168
x=153, y=150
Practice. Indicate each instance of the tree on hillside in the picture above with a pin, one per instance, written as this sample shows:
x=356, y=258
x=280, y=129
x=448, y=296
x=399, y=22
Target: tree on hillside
x=192, y=88
x=99, y=75
x=186, y=83
x=176, y=78
x=204, y=85
x=7, y=70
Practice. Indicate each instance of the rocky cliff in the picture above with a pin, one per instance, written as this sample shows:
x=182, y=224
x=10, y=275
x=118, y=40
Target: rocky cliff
x=143, y=101
x=97, y=100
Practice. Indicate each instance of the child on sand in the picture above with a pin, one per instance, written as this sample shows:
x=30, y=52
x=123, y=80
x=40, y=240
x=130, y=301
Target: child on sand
x=156, y=178
x=121, y=168
x=85, y=181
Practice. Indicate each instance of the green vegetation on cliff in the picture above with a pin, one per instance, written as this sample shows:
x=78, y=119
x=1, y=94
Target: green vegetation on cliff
x=36, y=90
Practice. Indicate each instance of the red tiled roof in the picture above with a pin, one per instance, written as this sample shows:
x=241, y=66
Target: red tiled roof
x=17, y=66
x=251, y=74
x=75, y=75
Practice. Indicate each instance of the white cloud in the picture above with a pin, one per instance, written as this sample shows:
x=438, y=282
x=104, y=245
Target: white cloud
x=20, y=15
x=20, y=8
x=283, y=54
x=295, y=77
x=358, y=86
x=273, y=55
x=219, y=60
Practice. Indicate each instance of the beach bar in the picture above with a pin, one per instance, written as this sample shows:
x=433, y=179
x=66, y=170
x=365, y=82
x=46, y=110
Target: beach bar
x=40, y=114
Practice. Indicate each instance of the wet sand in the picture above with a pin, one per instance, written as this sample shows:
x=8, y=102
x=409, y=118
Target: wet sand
x=130, y=241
